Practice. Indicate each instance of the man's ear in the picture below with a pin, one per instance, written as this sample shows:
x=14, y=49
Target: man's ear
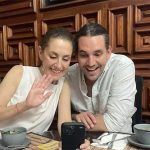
x=109, y=49
x=40, y=53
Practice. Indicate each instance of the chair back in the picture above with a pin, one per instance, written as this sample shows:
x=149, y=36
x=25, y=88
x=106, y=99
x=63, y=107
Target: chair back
x=137, y=117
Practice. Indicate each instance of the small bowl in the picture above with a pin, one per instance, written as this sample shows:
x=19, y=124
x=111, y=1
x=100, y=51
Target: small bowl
x=142, y=133
x=13, y=136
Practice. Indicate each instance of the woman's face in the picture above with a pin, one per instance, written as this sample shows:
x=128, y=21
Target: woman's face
x=56, y=57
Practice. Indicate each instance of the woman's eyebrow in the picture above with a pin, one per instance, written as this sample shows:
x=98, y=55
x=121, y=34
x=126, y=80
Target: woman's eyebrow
x=57, y=54
x=51, y=52
x=97, y=51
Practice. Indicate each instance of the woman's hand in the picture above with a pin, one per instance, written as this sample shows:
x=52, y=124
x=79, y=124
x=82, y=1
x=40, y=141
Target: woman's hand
x=37, y=93
x=85, y=145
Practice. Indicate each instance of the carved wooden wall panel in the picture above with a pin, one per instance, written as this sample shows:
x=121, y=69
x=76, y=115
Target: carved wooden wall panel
x=18, y=39
x=142, y=27
x=95, y=13
x=65, y=22
x=76, y=16
x=18, y=33
x=1, y=43
x=143, y=68
x=29, y=53
x=142, y=49
x=142, y=13
x=142, y=39
x=145, y=99
x=19, y=7
x=91, y=17
x=120, y=30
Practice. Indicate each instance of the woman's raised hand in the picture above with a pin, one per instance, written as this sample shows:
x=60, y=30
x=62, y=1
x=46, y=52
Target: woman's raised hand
x=37, y=93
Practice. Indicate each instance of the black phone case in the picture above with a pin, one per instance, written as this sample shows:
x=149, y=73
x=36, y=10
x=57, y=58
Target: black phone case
x=72, y=135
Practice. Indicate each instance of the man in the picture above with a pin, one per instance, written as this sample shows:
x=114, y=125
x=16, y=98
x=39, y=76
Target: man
x=102, y=83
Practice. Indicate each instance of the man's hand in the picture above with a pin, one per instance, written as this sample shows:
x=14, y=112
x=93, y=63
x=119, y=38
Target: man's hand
x=85, y=145
x=93, y=122
x=87, y=118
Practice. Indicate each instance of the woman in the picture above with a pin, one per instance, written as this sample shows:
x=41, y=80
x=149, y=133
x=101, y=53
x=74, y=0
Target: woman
x=30, y=95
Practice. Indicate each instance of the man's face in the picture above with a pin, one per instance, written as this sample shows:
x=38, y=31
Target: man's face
x=92, y=56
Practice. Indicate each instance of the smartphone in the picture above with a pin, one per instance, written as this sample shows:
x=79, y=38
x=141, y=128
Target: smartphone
x=72, y=135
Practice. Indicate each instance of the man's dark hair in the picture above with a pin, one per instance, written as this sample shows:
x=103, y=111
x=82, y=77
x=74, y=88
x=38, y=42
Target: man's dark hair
x=92, y=29
x=56, y=33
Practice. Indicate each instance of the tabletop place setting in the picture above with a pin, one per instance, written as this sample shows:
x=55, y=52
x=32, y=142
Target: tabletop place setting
x=17, y=138
x=14, y=138
x=140, y=138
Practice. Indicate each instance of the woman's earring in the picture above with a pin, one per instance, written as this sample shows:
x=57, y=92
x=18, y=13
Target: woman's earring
x=42, y=69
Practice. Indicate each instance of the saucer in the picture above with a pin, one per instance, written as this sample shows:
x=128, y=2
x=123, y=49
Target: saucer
x=132, y=140
x=25, y=144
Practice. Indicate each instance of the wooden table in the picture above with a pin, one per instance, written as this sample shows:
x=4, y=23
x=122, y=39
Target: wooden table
x=38, y=139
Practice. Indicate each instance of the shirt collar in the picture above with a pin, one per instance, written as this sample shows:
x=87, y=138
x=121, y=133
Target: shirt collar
x=109, y=62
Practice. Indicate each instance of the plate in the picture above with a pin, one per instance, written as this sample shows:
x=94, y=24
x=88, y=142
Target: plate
x=25, y=144
x=132, y=140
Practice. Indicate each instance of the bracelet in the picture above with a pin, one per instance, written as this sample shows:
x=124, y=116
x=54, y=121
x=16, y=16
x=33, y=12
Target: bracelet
x=17, y=108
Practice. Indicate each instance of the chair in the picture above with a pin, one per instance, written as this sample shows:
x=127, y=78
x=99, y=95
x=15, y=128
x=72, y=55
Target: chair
x=137, y=117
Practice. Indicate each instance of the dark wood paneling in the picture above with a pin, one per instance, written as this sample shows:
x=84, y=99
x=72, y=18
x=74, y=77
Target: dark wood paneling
x=16, y=7
x=120, y=29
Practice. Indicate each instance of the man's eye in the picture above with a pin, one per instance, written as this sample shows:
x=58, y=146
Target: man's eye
x=82, y=55
x=97, y=54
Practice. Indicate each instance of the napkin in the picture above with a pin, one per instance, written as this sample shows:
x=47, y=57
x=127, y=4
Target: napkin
x=117, y=145
x=52, y=145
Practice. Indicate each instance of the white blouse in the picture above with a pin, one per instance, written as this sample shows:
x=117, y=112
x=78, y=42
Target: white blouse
x=36, y=119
